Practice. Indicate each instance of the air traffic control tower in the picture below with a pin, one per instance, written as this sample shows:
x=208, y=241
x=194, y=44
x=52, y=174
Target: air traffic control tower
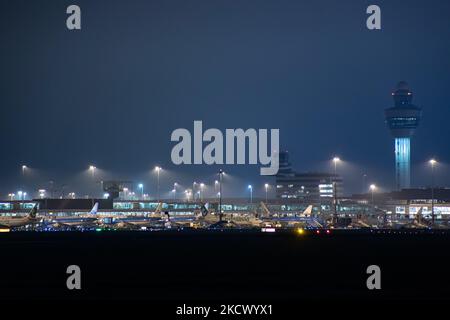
x=402, y=120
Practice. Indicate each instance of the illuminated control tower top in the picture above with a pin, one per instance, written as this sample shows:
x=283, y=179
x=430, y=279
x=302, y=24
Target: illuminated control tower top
x=402, y=120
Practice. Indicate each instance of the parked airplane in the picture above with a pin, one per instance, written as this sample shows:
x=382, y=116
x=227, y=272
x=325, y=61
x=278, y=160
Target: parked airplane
x=14, y=222
x=157, y=219
x=89, y=219
x=304, y=219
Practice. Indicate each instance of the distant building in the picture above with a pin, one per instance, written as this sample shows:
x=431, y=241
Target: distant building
x=417, y=195
x=317, y=186
x=402, y=120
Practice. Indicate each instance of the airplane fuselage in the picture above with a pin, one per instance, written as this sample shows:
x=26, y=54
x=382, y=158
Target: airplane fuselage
x=10, y=222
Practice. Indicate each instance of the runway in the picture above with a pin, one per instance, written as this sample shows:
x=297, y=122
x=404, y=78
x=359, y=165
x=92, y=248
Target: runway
x=217, y=266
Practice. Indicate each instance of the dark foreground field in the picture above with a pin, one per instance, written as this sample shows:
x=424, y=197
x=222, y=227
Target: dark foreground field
x=208, y=267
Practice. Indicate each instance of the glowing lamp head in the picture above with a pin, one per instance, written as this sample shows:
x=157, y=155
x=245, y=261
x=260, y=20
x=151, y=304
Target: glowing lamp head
x=373, y=187
x=432, y=162
x=336, y=159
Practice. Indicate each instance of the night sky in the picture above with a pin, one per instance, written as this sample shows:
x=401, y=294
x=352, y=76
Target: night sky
x=112, y=93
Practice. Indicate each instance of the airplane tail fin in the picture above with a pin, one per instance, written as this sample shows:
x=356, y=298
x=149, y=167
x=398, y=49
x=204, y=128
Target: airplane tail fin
x=419, y=215
x=308, y=210
x=33, y=212
x=265, y=210
x=204, y=210
x=94, y=209
x=158, y=208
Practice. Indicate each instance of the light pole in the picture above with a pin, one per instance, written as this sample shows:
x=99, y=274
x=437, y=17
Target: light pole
x=11, y=196
x=372, y=190
x=432, y=163
x=24, y=168
x=92, y=169
x=216, y=186
x=193, y=190
x=202, y=186
x=42, y=193
x=175, y=185
x=251, y=192
x=266, y=186
x=188, y=194
x=141, y=186
x=364, y=177
x=158, y=170
x=220, y=194
x=336, y=160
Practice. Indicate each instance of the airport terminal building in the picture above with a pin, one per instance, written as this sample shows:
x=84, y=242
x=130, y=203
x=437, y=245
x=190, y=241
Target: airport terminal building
x=312, y=186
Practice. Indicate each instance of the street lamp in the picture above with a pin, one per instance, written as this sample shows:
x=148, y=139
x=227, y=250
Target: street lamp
x=433, y=164
x=92, y=169
x=42, y=193
x=336, y=160
x=141, y=186
x=364, y=177
x=251, y=192
x=202, y=186
x=266, y=187
x=188, y=194
x=24, y=167
x=158, y=170
x=220, y=193
x=372, y=190
x=20, y=194
x=174, y=193
x=193, y=190
x=216, y=186
x=11, y=196
x=175, y=185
